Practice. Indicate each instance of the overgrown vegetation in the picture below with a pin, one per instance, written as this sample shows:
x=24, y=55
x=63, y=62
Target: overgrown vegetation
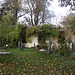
x=72, y=23
x=43, y=32
x=63, y=48
x=10, y=33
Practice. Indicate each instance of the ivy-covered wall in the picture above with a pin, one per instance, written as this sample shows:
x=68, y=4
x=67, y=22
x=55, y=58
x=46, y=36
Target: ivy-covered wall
x=43, y=33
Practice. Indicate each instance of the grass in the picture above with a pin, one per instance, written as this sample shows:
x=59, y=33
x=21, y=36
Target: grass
x=32, y=63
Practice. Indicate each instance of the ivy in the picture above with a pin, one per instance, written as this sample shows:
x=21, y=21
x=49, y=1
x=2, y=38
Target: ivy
x=43, y=32
x=32, y=31
x=72, y=23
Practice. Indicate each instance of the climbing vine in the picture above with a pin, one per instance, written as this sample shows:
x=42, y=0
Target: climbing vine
x=43, y=32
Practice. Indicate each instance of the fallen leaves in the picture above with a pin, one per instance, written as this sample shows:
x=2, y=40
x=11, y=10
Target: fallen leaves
x=0, y=70
x=35, y=63
x=1, y=64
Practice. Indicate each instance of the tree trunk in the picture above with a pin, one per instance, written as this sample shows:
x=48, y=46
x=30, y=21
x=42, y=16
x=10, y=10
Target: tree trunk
x=16, y=15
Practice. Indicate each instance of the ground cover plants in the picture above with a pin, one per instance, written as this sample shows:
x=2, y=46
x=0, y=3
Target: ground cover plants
x=30, y=62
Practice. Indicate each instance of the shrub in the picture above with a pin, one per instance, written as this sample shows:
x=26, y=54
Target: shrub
x=68, y=53
x=73, y=58
x=74, y=47
x=43, y=46
x=64, y=50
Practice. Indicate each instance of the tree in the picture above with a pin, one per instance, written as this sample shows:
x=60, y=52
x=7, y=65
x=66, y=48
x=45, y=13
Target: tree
x=10, y=33
x=37, y=11
x=67, y=19
x=68, y=2
x=14, y=5
x=22, y=32
x=72, y=23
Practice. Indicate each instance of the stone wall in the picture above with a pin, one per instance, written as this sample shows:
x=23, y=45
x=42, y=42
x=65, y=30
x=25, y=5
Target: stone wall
x=31, y=44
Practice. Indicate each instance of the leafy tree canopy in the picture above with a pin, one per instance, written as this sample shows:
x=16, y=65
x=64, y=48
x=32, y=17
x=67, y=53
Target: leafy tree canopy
x=10, y=33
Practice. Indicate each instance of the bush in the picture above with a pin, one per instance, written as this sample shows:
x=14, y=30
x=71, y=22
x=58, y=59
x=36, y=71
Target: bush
x=64, y=50
x=73, y=58
x=68, y=53
x=43, y=46
x=74, y=47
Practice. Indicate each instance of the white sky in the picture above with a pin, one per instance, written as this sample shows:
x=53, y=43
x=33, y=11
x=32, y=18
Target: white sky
x=60, y=12
x=1, y=0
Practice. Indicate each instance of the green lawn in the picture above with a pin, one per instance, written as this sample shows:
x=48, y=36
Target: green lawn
x=29, y=62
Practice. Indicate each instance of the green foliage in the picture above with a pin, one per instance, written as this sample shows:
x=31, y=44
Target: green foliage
x=63, y=49
x=31, y=62
x=49, y=30
x=6, y=27
x=61, y=37
x=30, y=32
x=44, y=32
x=72, y=23
x=5, y=24
x=22, y=32
x=61, y=40
x=10, y=33
x=43, y=46
x=68, y=52
x=29, y=39
x=74, y=46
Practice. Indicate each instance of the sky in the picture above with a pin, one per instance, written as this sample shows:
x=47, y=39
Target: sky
x=1, y=1
x=60, y=12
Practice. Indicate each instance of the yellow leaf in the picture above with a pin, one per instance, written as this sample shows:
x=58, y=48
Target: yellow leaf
x=1, y=64
x=28, y=61
x=52, y=64
x=71, y=73
x=24, y=73
x=25, y=63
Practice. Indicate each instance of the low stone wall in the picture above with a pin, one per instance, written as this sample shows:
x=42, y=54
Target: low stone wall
x=5, y=52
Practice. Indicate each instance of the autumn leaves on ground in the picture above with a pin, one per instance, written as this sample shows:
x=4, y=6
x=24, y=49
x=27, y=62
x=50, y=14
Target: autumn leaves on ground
x=29, y=62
